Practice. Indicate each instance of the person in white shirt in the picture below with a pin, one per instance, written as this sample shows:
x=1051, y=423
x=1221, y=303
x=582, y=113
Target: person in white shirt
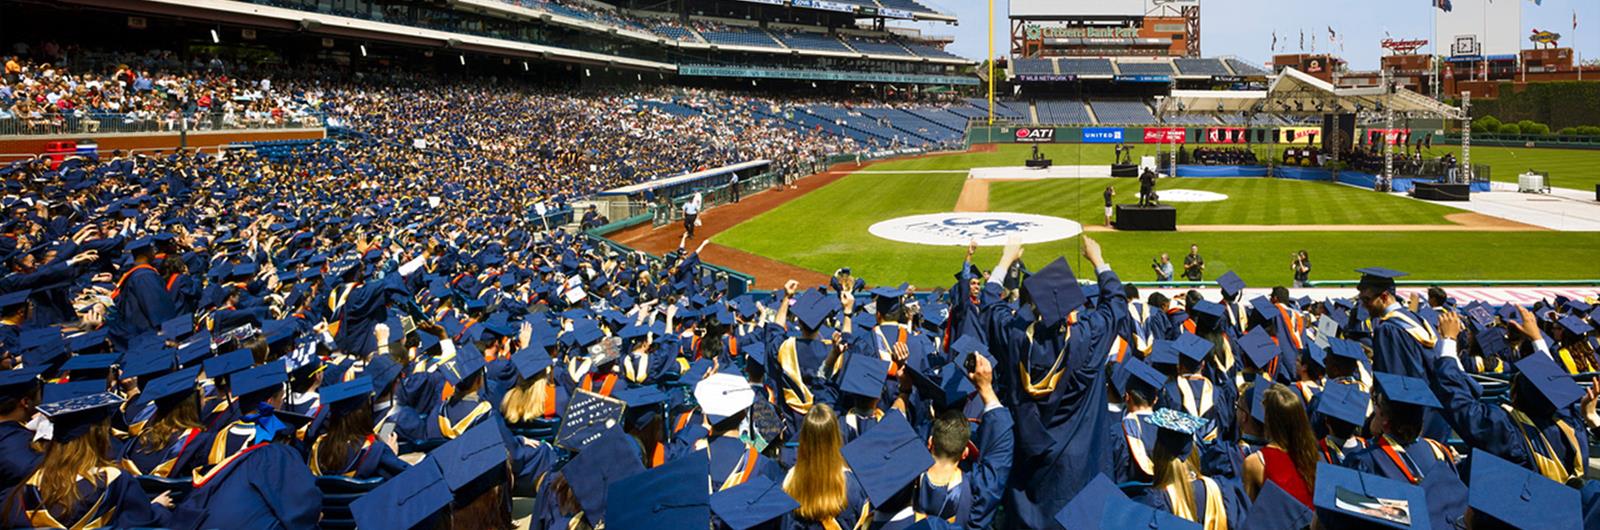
x=691, y=211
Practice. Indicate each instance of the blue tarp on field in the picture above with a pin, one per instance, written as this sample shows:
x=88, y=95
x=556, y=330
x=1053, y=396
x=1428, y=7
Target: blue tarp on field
x=1302, y=173
x=1222, y=171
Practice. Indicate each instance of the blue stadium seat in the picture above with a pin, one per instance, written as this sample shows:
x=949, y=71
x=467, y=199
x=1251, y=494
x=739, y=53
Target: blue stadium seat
x=675, y=32
x=871, y=47
x=930, y=51
x=1122, y=111
x=542, y=430
x=734, y=36
x=1244, y=68
x=1145, y=68
x=1200, y=67
x=1024, y=66
x=1074, y=66
x=1062, y=112
x=811, y=41
x=337, y=494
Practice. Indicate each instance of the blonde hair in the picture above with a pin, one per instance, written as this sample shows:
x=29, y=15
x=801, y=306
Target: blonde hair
x=1176, y=471
x=526, y=401
x=64, y=462
x=817, y=480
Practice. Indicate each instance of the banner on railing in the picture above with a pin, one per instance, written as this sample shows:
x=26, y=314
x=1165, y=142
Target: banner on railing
x=1392, y=136
x=1164, y=135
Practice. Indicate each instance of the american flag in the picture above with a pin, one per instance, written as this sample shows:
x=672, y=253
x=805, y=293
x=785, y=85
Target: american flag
x=1443, y=5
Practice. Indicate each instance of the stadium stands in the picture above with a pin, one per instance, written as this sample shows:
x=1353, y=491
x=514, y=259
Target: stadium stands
x=1056, y=111
x=811, y=41
x=878, y=47
x=930, y=52
x=736, y=36
x=1122, y=111
x=1084, y=67
x=1144, y=68
x=676, y=32
x=1025, y=66
x=908, y=5
x=1243, y=68
x=1200, y=67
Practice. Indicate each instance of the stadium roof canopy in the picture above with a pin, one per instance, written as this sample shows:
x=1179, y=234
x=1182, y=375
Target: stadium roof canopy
x=1296, y=93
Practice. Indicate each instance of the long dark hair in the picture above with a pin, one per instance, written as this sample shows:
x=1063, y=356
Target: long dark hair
x=1288, y=428
x=170, y=418
x=345, y=433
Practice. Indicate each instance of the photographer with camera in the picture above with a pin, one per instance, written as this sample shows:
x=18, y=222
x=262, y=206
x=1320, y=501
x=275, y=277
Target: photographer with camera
x=1163, y=267
x=1301, y=265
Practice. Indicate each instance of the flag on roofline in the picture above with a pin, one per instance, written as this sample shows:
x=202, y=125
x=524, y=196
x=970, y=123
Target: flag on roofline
x=1443, y=5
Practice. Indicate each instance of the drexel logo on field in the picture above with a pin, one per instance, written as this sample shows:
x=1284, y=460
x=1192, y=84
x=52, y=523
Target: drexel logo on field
x=987, y=228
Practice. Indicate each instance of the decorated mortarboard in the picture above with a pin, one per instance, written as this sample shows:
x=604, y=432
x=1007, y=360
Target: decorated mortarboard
x=1549, y=380
x=752, y=503
x=1176, y=429
x=863, y=376
x=1346, y=498
x=1276, y=509
x=1405, y=390
x=1259, y=347
x=407, y=500
x=674, y=496
x=1378, y=279
x=723, y=396
x=1085, y=510
x=174, y=385
x=1192, y=347
x=472, y=456
x=935, y=313
x=1124, y=513
x=611, y=457
x=73, y=417
x=1511, y=496
x=265, y=378
x=228, y=363
x=887, y=458
x=346, y=396
x=1054, y=291
x=467, y=363
x=14, y=299
x=1231, y=284
x=1346, y=403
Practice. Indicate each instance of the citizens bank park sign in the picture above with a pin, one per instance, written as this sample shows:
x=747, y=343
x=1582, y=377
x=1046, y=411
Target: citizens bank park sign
x=987, y=228
x=1037, y=31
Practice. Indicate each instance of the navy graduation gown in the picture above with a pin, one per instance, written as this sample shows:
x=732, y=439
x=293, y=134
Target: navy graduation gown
x=266, y=486
x=974, y=501
x=373, y=460
x=1446, y=494
x=855, y=507
x=1394, y=350
x=17, y=459
x=1488, y=426
x=1233, y=502
x=186, y=450
x=142, y=304
x=119, y=503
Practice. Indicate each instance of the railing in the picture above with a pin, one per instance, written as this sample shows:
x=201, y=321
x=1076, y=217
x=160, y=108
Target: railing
x=110, y=123
x=738, y=282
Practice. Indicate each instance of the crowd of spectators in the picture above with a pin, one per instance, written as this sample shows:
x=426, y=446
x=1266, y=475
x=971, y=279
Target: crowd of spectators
x=1224, y=156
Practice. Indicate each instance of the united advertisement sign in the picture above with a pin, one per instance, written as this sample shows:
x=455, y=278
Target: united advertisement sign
x=1102, y=135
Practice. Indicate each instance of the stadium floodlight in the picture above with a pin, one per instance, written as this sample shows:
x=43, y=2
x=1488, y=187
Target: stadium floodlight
x=463, y=59
x=363, y=50
x=215, y=39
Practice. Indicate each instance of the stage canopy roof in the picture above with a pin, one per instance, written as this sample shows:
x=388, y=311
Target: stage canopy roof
x=1296, y=93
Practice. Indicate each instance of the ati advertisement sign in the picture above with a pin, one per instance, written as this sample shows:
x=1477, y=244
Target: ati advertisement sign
x=1225, y=135
x=1102, y=135
x=1042, y=135
x=1163, y=135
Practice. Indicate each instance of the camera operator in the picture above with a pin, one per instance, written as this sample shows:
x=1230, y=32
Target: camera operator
x=1301, y=265
x=1163, y=267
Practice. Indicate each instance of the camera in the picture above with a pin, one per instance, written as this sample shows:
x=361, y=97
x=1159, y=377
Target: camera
x=972, y=363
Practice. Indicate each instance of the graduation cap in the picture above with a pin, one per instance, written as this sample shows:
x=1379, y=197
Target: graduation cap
x=18, y=383
x=1192, y=347
x=611, y=457
x=1405, y=390
x=1054, y=291
x=1347, y=349
x=347, y=396
x=863, y=376
x=65, y=391
x=530, y=362
x=1084, y=511
x=889, y=299
x=1548, y=380
x=887, y=458
x=722, y=396
x=1140, y=376
x=265, y=378
x=1377, y=279
x=1263, y=309
x=1575, y=326
x=472, y=456
x=14, y=299
x=174, y=385
x=1276, y=509
x=1162, y=353
x=1346, y=498
x=1231, y=284
x=1207, y=316
x=92, y=366
x=1176, y=430
x=812, y=308
x=228, y=363
x=756, y=501
x=673, y=496
x=383, y=371
x=73, y=417
x=148, y=362
x=1346, y=403
x=407, y=500
x=1124, y=513
x=954, y=386
x=467, y=363
x=1255, y=394
x=1259, y=347
x=1516, y=497
x=178, y=326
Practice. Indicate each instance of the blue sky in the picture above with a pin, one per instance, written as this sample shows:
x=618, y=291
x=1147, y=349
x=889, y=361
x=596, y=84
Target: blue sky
x=1244, y=27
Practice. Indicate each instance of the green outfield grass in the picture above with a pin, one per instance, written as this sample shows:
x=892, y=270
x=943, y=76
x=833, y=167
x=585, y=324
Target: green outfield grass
x=1252, y=201
x=827, y=228
x=1569, y=168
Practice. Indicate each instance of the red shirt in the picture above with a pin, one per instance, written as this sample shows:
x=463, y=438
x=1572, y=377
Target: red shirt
x=1279, y=469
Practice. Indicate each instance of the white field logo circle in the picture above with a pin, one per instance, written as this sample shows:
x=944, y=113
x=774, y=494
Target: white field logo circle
x=988, y=228
x=1189, y=196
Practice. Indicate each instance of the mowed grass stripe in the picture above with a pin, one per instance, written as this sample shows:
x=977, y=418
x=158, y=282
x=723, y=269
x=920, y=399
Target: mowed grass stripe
x=1251, y=201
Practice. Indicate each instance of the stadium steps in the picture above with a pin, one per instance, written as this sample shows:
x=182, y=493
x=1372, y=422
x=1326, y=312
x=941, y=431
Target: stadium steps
x=1033, y=112
x=1092, y=118
x=914, y=124
x=1228, y=67
x=1055, y=66
x=1115, y=69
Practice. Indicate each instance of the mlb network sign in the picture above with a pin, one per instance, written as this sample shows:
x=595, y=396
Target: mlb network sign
x=1044, y=135
x=1102, y=135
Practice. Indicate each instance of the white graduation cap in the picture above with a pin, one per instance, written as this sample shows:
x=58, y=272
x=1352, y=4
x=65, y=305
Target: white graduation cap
x=723, y=395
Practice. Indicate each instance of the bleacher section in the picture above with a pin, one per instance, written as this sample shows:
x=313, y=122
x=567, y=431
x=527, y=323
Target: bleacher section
x=1145, y=68
x=676, y=33
x=930, y=51
x=859, y=123
x=734, y=36
x=1200, y=67
x=1063, y=111
x=1122, y=111
x=1002, y=109
x=908, y=5
x=912, y=124
x=1033, y=66
x=872, y=47
x=1244, y=68
x=811, y=41
x=1083, y=67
